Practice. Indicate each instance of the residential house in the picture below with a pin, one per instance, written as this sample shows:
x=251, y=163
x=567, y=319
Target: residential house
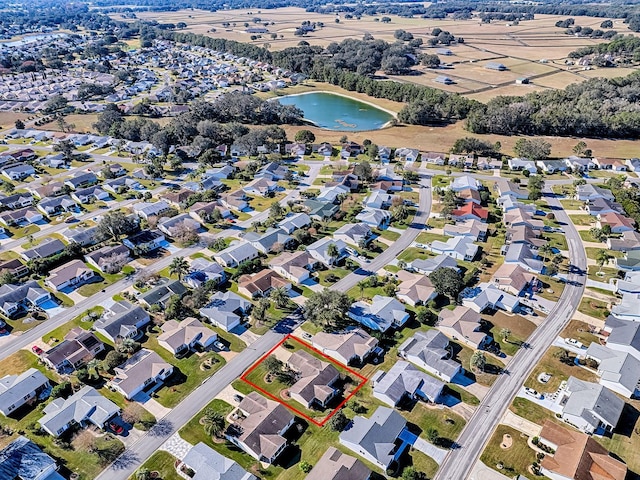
x=315, y=380
x=319, y=250
x=273, y=239
x=156, y=209
x=335, y=465
x=291, y=223
x=180, y=337
x=463, y=160
x=71, y=275
x=18, y=390
x=600, y=206
x=511, y=189
x=145, y=241
x=628, y=242
x=374, y=218
x=294, y=266
x=81, y=236
x=16, y=201
x=119, y=185
x=226, y=310
x=23, y=216
x=220, y=173
x=24, y=460
x=522, y=164
x=261, y=283
x=122, y=321
x=617, y=222
x=427, y=266
x=473, y=229
x=203, y=211
x=628, y=308
x=464, y=182
x=273, y=171
x=415, y=289
x=81, y=180
x=139, y=372
x=469, y=195
x=618, y=371
x=470, y=211
x=261, y=187
x=236, y=253
x=378, y=199
x=508, y=203
x=380, y=439
x=45, y=249
x=588, y=192
x=175, y=226
x=260, y=430
x=576, y=456
x=17, y=298
x=460, y=248
x=176, y=198
x=356, y=234
x=320, y=210
x=436, y=158
x=519, y=217
x=522, y=255
x=353, y=346
x=523, y=234
x=57, y=205
x=162, y=292
x=381, y=314
x=77, y=349
x=514, y=279
x=430, y=351
x=85, y=407
x=15, y=267
x=487, y=296
x=384, y=153
x=579, y=165
x=615, y=164
x=109, y=259
x=234, y=201
x=552, y=166
x=18, y=172
x=203, y=271
x=207, y=464
x=591, y=408
x=623, y=335
x=332, y=194
x=464, y=325
x=405, y=382
x=90, y=195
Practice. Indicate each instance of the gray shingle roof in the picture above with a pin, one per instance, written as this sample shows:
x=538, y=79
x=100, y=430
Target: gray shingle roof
x=210, y=465
x=13, y=388
x=22, y=459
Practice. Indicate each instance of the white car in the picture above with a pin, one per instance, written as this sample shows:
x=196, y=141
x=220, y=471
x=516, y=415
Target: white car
x=573, y=342
x=219, y=345
x=533, y=393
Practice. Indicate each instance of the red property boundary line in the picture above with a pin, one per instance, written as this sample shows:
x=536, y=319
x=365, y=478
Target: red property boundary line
x=321, y=423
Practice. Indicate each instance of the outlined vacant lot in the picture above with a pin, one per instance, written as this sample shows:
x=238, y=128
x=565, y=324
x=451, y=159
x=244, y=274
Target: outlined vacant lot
x=292, y=405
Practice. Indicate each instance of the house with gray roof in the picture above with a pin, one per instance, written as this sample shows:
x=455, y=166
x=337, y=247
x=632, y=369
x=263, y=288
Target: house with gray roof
x=122, y=321
x=628, y=243
x=624, y=335
x=264, y=242
x=427, y=266
x=207, y=464
x=109, y=259
x=291, y=223
x=521, y=254
x=80, y=180
x=430, y=351
x=628, y=308
x=47, y=248
x=315, y=380
x=590, y=407
x=77, y=349
x=90, y=195
x=489, y=296
x=18, y=172
x=173, y=226
x=202, y=271
x=24, y=460
x=474, y=229
x=260, y=430
x=15, y=298
x=226, y=310
x=335, y=465
x=17, y=390
x=459, y=248
x=151, y=209
x=355, y=234
x=161, y=293
x=405, y=382
x=588, y=192
x=144, y=368
x=320, y=210
x=381, y=314
x=618, y=371
x=85, y=407
x=352, y=346
x=70, y=276
x=145, y=241
x=319, y=250
x=52, y=206
x=380, y=439
x=374, y=218
x=236, y=253
x=179, y=337
x=81, y=236
x=600, y=205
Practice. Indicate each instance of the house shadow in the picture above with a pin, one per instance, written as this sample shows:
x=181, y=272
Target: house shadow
x=462, y=379
x=450, y=399
x=627, y=423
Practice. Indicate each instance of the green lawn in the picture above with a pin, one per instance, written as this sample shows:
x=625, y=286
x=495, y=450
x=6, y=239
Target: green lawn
x=586, y=236
x=625, y=441
x=89, y=289
x=57, y=335
x=465, y=396
x=603, y=274
x=463, y=355
x=520, y=330
x=163, y=463
x=338, y=272
x=412, y=253
x=580, y=331
x=571, y=204
x=388, y=235
x=550, y=363
x=514, y=460
x=532, y=411
x=585, y=220
x=592, y=252
x=552, y=284
x=448, y=424
x=187, y=376
x=426, y=237
x=557, y=240
x=594, y=308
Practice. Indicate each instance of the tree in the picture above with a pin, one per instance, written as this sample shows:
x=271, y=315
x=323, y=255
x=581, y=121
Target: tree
x=213, y=423
x=112, y=360
x=259, y=311
x=305, y=136
x=410, y=473
x=179, y=266
x=61, y=390
x=339, y=421
x=602, y=258
x=535, y=149
x=333, y=252
x=423, y=315
x=504, y=333
x=128, y=346
x=478, y=361
x=545, y=250
x=433, y=435
x=218, y=244
x=362, y=284
x=276, y=211
x=19, y=124
x=143, y=474
x=579, y=148
x=328, y=309
x=115, y=224
x=535, y=186
x=273, y=364
x=305, y=467
x=92, y=368
x=447, y=281
x=280, y=296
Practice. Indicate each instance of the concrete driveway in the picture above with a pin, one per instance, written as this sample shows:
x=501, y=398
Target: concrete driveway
x=438, y=454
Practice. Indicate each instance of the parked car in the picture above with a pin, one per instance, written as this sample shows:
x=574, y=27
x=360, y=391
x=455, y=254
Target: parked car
x=573, y=342
x=526, y=310
x=115, y=428
x=219, y=345
x=37, y=350
x=306, y=335
x=237, y=398
x=533, y=393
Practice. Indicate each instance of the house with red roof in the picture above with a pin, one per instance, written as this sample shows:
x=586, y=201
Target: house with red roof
x=470, y=211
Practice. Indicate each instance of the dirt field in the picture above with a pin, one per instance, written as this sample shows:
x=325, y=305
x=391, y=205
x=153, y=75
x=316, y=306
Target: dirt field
x=520, y=47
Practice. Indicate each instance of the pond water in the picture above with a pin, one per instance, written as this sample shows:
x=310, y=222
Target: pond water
x=31, y=38
x=335, y=112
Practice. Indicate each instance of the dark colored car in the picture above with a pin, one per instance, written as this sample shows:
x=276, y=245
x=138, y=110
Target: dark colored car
x=115, y=428
x=37, y=350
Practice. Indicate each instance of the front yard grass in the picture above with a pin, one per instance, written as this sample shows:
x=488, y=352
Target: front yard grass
x=515, y=460
x=580, y=331
x=520, y=329
x=163, y=463
x=340, y=273
x=389, y=235
x=462, y=354
x=447, y=423
x=57, y=335
x=533, y=412
x=412, y=253
x=550, y=363
x=553, y=284
x=606, y=273
x=594, y=308
x=426, y=237
x=583, y=219
x=586, y=236
x=593, y=251
x=571, y=204
x=557, y=240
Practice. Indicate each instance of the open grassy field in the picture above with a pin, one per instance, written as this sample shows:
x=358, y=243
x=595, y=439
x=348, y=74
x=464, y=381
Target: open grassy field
x=535, y=49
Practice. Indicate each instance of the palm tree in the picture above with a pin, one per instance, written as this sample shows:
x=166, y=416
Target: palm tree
x=128, y=346
x=179, y=266
x=213, y=423
x=478, y=361
x=92, y=368
x=602, y=258
x=143, y=474
x=280, y=295
x=402, y=264
x=545, y=250
x=333, y=252
x=504, y=333
x=362, y=285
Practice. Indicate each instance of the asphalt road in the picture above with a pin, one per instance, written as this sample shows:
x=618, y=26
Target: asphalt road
x=459, y=463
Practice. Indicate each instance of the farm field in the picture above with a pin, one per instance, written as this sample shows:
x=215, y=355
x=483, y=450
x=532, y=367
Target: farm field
x=535, y=49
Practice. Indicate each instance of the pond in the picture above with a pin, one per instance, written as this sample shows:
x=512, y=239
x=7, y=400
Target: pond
x=337, y=112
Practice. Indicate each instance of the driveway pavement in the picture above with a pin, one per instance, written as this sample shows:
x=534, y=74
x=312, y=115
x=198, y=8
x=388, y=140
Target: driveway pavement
x=521, y=424
x=559, y=342
x=481, y=472
x=176, y=446
x=438, y=454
